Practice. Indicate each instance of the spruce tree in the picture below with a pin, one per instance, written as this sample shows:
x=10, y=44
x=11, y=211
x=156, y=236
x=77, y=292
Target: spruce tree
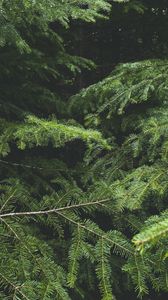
x=83, y=180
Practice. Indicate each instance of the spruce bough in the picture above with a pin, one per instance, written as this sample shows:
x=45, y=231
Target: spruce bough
x=81, y=205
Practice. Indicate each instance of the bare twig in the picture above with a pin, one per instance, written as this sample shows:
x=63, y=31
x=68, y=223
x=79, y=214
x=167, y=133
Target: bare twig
x=54, y=210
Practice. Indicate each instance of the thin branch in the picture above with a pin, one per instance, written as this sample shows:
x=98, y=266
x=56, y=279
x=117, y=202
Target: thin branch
x=95, y=233
x=138, y=67
x=21, y=165
x=54, y=210
x=15, y=164
x=7, y=200
x=25, y=246
x=14, y=287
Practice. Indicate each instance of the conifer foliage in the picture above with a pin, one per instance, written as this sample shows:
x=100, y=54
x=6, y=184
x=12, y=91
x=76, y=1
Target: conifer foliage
x=83, y=179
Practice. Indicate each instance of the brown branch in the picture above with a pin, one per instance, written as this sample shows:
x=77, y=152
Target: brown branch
x=54, y=210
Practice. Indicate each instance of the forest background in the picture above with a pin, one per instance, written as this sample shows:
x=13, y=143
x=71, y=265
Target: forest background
x=83, y=149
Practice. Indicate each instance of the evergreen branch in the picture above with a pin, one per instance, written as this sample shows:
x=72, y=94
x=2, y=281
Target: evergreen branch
x=42, y=266
x=45, y=291
x=14, y=287
x=7, y=200
x=138, y=67
x=141, y=275
x=103, y=274
x=151, y=234
x=24, y=245
x=102, y=268
x=21, y=165
x=54, y=210
x=75, y=252
x=96, y=233
x=17, y=237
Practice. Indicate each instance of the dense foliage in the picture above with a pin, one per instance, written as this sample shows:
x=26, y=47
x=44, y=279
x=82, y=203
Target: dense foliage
x=83, y=153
